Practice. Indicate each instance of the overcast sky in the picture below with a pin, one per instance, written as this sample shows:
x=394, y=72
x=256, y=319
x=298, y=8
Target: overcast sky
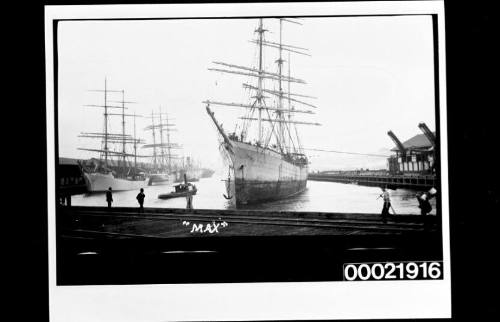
x=369, y=74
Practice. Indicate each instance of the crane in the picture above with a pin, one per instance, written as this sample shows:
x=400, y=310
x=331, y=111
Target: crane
x=398, y=143
x=428, y=134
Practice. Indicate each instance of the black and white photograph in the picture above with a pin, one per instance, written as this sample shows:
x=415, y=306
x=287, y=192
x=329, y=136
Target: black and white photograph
x=272, y=154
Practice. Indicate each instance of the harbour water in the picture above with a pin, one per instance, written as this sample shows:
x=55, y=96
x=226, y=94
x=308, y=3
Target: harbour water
x=319, y=197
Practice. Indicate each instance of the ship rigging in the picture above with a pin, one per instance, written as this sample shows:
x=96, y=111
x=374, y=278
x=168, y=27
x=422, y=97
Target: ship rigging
x=162, y=169
x=112, y=169
x=273, y=165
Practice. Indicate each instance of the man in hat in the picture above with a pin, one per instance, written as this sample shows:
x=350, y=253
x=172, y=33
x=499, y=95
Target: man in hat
x=140, y=198
x=109, y=197
x=189, y=199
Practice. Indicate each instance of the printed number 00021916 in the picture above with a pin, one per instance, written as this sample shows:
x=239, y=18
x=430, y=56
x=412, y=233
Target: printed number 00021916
x=393, y=271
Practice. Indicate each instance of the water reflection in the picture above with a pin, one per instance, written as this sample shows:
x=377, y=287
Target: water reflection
x=319, y=196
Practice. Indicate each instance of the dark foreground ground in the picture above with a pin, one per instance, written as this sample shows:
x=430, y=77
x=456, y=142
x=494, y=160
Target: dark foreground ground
x=97, y=246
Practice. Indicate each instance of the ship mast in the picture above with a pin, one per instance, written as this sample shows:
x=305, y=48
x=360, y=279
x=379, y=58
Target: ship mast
x=106, y=137
x=162, y=147
x=154, y=141
x=135, y=141
x=125, y=139
x=279, y=124
x=169, y=148
x=135, y=146
x=164, y=128
x=123, y=129
x=281, y=136
x=105, y=123
x=259, y=82
x=290, y=106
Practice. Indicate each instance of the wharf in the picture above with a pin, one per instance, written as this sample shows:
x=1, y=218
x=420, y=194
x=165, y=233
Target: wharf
x=96, y=245
x=124, y=222
x=392, y=181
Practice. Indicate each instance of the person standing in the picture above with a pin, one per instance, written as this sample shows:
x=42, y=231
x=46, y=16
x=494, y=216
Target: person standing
x=387, y=204
x=424, y=201
x=189, y=200
x=425, y=205
x=140, y=198
x=109, y=197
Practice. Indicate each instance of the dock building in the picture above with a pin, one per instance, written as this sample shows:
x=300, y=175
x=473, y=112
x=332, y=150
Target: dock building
x=415, y=155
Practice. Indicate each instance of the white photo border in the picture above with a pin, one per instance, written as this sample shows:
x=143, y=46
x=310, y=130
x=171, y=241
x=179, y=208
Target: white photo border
x=248, y=301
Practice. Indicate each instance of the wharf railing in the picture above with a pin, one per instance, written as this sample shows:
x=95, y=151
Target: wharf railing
x=411, y=181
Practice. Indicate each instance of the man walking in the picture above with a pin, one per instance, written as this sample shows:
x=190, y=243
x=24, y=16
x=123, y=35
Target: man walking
x=109, y=197
x=387, y=204
x=140, y=198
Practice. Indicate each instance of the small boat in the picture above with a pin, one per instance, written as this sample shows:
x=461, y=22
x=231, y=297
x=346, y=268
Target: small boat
x=180, y=190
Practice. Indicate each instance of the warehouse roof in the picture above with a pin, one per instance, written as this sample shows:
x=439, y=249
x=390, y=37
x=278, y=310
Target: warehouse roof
x=419, y=141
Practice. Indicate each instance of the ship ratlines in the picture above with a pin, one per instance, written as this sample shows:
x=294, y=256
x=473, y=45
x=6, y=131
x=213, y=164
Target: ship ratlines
x=113, y=168
x=264, y=155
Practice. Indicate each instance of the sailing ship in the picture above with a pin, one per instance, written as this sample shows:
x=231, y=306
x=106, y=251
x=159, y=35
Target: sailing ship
x=190, y=169
x=162, y=170
x=112, y=169
x=271, y=165
x=207, y=173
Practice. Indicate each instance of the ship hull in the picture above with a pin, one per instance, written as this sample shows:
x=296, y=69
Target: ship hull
x=258, y=174
x=98, y=182
x=192, y=175
x=251, y=192
x=160, y=178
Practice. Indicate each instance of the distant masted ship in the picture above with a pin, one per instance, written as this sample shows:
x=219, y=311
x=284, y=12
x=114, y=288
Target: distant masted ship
x=271, y=165
x=106, y=172
x=162, y=170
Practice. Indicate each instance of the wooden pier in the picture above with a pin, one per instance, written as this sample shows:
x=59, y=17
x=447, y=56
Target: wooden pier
x=96, y=245
x=392, y=181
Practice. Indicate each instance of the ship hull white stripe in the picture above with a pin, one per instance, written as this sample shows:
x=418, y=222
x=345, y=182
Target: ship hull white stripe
x=98, y=182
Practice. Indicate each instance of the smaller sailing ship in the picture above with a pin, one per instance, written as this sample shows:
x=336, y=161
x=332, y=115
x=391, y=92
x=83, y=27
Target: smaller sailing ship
x=162, y=170
x=112, y=168
x=190, y=169
x=207, y=173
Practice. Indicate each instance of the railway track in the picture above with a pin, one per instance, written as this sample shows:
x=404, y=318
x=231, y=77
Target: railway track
x=364, y=224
